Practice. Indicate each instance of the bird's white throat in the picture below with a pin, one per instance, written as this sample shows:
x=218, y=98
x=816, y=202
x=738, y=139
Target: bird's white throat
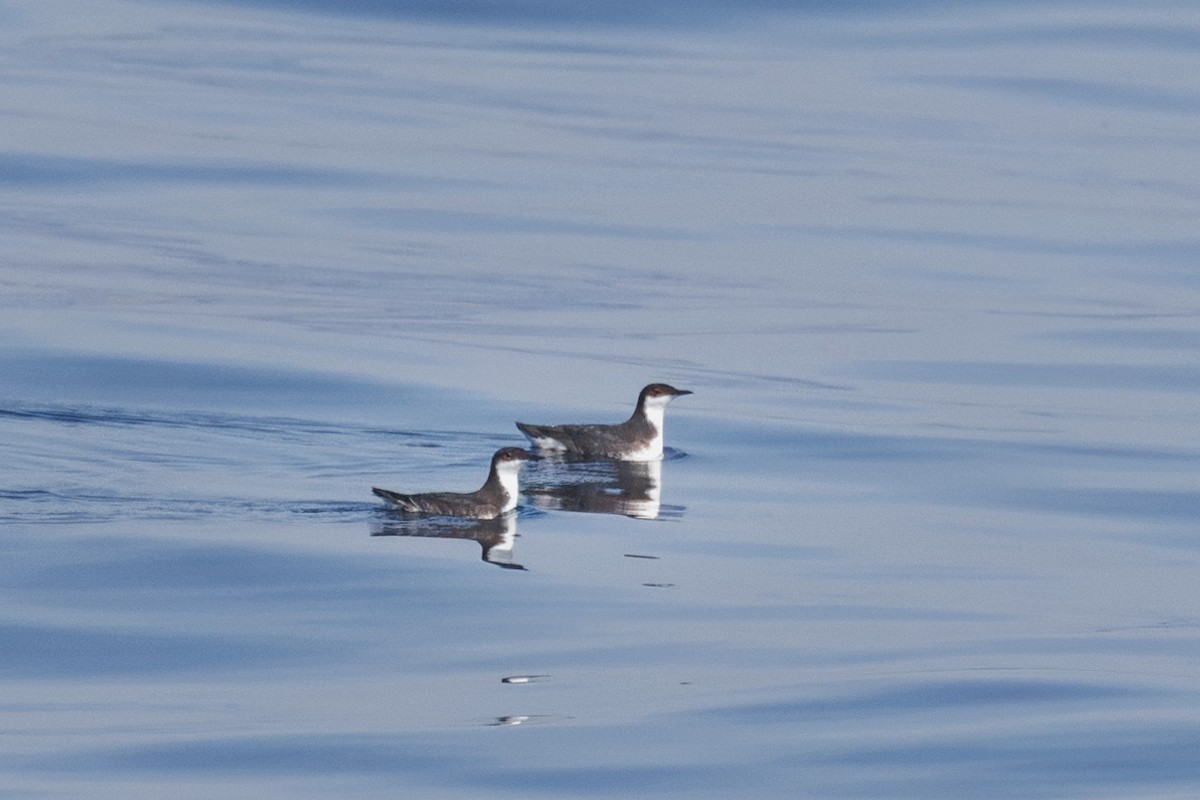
x=510, y=479
x=654, y=409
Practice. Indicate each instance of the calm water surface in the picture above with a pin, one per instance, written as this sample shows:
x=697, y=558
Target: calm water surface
x=928, y=526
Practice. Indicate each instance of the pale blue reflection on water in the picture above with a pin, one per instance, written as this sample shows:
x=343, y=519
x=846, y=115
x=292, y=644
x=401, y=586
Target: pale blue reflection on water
x=927, y=527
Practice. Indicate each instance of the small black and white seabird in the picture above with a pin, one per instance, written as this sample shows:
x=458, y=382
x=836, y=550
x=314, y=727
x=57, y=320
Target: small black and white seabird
x=639, y=438
x=497, y=496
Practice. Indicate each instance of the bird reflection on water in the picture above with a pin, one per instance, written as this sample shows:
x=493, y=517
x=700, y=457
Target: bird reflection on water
x=496, y=536
x=627, y=488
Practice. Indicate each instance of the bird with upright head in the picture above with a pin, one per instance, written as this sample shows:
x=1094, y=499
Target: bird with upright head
x=497, y=496
x=639, y=438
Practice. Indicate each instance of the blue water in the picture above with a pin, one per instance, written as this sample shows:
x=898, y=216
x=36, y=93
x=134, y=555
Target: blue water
x=928, y=526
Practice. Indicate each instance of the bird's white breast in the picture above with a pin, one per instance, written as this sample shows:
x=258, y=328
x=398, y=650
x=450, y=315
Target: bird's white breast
x=652, y=449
